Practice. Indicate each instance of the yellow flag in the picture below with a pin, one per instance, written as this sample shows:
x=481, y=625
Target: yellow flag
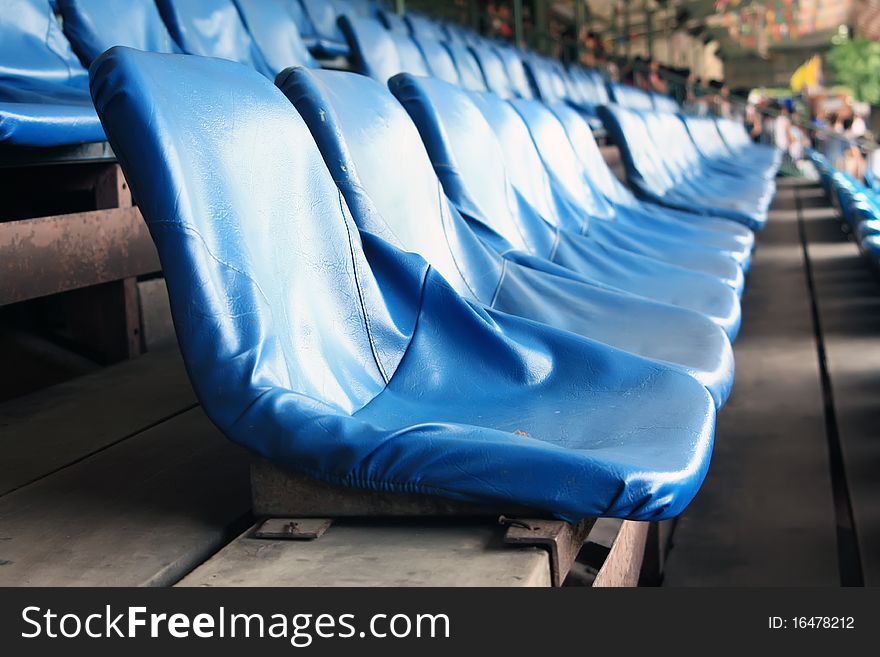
x=807, y=74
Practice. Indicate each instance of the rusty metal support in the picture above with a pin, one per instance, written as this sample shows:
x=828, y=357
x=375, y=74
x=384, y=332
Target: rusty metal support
x=562, y=540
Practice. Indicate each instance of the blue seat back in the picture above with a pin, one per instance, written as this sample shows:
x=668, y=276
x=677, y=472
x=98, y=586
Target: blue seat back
x=373, y=50
x=637, y=149
x=516, y=72
x=323, y=15
x=269, y=285
x=94, y=26
x=493, y=70
x=424, y=27
x=378, y=160
x=469, y=74
x=560, y=160
x=629, y=97
x=213, y=28
x=439, y=60
x=587, y=150
x=465, y=153
x=275, y=31
x=32, y=46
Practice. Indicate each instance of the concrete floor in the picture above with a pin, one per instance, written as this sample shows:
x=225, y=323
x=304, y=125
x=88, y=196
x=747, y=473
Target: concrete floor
x=790, y=498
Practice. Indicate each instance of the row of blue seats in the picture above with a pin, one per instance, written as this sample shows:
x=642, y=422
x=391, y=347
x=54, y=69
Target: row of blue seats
x=43, y=96
x=406, y=285
x=859, y=205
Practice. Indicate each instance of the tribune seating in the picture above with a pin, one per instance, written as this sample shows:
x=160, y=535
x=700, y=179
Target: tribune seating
x=213, y=28
x=663, y=167
x=537, y=221
x=93, y=26
x=392, y=381
x=44, y=99
x=444, y=276
x=859, y=206
x=384, y=199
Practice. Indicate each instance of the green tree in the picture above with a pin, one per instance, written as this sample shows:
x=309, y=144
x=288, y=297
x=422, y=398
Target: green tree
x=856, y=64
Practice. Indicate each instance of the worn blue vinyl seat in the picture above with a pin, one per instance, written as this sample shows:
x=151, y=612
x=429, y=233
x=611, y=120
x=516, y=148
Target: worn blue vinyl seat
x=276, y=33
x=44, y=99
x=334, y=354
x=506, y=188
x=589, y=212
x=658, y=172
x=364, y=133
x=730, y=234
x=93, y=26
x=378, y=52
x=213, y=28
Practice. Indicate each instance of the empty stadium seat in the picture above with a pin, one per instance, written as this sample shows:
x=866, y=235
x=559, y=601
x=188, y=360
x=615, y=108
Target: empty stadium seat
x=516, y=72
x=439, y=60
x=513, y=196
x=357, y=124
x=93, y=26
x=44, y=98
x=320, y=29
x=629, y=208
x=494, y=71
x=469, y=73
x=213, y=28
x=379, y=53
x=595, y=216
x=662, y=171
x=273, y=28
x=336, y=355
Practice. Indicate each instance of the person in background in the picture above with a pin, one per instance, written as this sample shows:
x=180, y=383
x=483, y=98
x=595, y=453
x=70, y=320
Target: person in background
x=754, y=122
x=782, y=129
x=655, y=82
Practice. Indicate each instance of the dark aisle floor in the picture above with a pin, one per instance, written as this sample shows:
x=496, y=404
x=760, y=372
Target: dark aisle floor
x=774, y=509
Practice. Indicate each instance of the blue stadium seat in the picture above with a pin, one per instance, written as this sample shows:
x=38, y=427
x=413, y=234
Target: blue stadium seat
x=321, y=32
x=213, y=28
x=595, y=216
x=273, y=28
x=629, y=97
x=494, y=71
x=740, y=145
x=662, y=172
x=469, y=73
x=339, y=356
x=514, y=198
x=631, y=209
x=357, y=124
x=423, y=27
x=93, y=26
x=439, y=60
x=379, y=53
x=44, y=99
x=512, y=59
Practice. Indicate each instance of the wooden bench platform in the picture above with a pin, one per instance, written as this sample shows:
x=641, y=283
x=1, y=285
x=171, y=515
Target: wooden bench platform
x=118, y=478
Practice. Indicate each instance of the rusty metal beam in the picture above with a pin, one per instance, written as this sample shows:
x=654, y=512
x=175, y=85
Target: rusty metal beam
x=44, y=256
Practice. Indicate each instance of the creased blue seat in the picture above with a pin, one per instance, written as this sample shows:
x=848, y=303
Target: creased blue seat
x=537, y=222
x=735, y=236
x=658, y=167
x=273, y=28
x=592, y=214
x=740, y=145
x=707, y=140
x=335, y=354
x=44, y=100
x=93, y=26
x=363, y=133
x=213, y=28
